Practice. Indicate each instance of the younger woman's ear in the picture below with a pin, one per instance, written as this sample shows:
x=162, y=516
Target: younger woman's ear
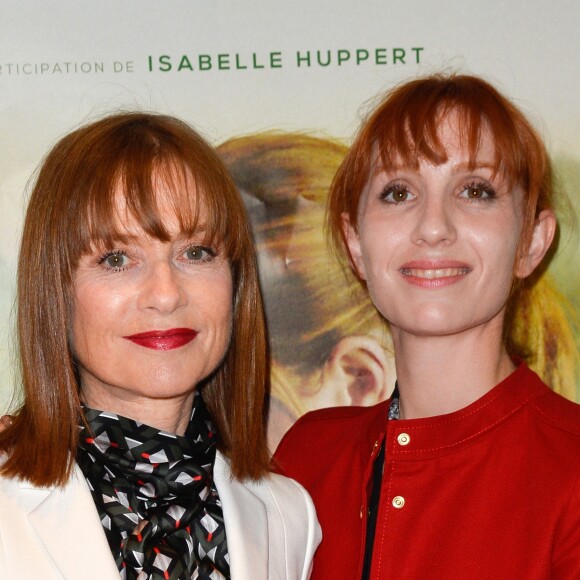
x=354, y=249
x=358, y=372
x=544, y=231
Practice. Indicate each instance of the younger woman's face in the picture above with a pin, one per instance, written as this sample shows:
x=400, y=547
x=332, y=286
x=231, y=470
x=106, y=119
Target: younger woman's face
x=151, y=318
x=437, y=246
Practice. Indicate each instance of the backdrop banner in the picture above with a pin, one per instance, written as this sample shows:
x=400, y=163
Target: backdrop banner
x=280, y=87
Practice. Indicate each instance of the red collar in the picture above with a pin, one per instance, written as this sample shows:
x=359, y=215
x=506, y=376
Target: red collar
x=440, y=435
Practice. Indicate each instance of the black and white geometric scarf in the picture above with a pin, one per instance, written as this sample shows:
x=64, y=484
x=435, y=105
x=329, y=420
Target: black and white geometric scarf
x=155, y=495
x=394, y=407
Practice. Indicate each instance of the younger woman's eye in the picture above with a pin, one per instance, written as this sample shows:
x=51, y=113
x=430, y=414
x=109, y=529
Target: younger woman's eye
x=199, y=254
x=396, y=193
x=478, y=191
x=115, y=260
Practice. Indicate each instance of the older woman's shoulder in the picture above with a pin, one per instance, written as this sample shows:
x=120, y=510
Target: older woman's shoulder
x=273, y=515
x=273, y=489
x=8, y=485
x=278, y=497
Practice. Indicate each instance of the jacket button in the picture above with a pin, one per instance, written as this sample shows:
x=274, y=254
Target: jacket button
x=398, y=502
x=404, y=439
x=361, y=512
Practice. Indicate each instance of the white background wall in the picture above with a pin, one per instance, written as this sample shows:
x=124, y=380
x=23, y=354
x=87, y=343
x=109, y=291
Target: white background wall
x=528, y=48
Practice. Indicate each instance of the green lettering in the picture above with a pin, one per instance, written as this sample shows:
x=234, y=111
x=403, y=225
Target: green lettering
x=327, y=58
x=343, y=56
x=256, y=65
x=184, y=63
x=398, y=55
x=238, y=65
x=417, y=54
x=164, y=63
x=204, y=62
x=275, y=60
x=300, y=58
x=223, y=61
x=361, y=55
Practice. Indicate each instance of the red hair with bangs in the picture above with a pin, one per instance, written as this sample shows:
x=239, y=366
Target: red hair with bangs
x=72, y=210
x=405, y=128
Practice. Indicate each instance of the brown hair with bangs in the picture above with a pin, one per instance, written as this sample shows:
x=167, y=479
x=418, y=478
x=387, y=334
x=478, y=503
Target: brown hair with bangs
x=405, y=128
x=71, y=210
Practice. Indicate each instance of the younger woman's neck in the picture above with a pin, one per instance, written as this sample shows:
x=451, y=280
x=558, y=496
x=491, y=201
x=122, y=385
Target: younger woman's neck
x=440, y=375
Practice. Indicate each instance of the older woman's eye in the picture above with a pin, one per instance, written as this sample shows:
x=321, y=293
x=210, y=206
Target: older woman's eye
x=478, y=191
x=199, y=254
x=114, y=260
x=396, y=193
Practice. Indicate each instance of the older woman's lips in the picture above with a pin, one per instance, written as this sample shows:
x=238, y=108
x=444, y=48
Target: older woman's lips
x=434, y=274
x=163, y=339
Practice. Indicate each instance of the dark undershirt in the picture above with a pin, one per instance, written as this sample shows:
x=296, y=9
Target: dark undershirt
x=375, y=496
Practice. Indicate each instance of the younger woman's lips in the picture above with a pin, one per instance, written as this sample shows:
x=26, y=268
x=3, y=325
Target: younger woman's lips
x=163, y=339
x=434, y=273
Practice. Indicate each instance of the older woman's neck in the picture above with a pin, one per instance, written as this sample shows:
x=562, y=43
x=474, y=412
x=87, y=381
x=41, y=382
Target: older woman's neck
x=440, y=375
x=171, y=414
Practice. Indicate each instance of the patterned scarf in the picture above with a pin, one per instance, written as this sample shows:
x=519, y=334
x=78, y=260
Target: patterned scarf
x=394, y=407
x=155, y=495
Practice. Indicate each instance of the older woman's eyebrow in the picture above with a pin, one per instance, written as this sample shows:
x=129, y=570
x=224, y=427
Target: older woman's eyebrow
x=200, y=231
x=133, y=234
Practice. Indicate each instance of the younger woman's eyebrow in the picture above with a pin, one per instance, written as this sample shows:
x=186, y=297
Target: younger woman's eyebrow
x=466, y=165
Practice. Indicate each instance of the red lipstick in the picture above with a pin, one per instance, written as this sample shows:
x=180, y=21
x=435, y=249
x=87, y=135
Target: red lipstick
x=163, y=339
x=434, y=273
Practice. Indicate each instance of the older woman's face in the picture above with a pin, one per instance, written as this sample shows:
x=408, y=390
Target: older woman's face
x=151, y=319
x=437, y=245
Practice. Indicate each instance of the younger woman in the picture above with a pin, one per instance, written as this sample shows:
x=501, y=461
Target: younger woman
x=472, y=468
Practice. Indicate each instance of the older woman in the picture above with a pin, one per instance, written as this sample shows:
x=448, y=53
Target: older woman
x=140, y=449
x=472, y=468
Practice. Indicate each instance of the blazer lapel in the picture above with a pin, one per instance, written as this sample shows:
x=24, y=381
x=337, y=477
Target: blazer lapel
x=246, y=524
x=67, y=523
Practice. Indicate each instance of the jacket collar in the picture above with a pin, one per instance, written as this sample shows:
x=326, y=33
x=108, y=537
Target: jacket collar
x=440, y=435
x=246, y=522
x=67, y=523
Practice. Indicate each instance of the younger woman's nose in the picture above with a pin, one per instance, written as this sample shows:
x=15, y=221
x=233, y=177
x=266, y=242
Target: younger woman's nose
x=435, y=223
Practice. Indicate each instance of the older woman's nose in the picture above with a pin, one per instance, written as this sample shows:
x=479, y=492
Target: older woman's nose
x=435, y=223
x=162, y=289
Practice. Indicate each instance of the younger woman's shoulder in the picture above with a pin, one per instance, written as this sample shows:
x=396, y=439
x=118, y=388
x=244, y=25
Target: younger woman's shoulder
x=335, y=426
x=324, y=431
x=562, y=414
x=340, y=414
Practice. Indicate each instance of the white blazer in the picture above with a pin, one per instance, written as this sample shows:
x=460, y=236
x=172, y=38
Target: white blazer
x=55, y=533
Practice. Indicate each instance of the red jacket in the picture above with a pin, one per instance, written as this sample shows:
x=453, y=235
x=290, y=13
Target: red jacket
x=489, y=492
